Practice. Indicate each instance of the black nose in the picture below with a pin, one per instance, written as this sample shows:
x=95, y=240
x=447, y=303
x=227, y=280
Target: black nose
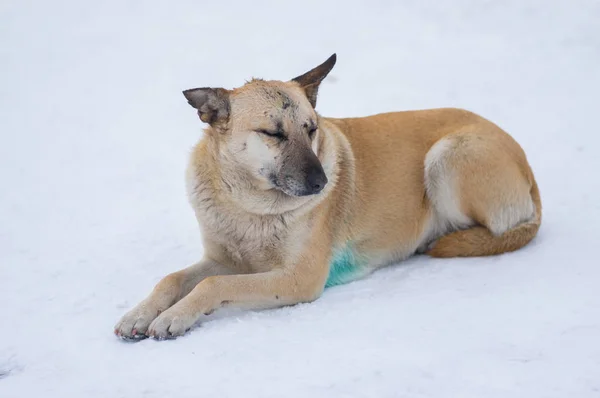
x=315, y=180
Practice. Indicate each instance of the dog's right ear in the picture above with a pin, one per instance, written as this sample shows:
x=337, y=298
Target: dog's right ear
x=212, y=104
x=311, y=80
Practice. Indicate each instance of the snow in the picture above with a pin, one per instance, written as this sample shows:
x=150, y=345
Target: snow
x=95, y=138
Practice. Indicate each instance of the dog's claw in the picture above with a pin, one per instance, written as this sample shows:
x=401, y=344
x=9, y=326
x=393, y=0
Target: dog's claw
x=135, y=336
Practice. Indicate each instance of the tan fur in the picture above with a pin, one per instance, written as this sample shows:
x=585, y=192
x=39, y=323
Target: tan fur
x=442, y=181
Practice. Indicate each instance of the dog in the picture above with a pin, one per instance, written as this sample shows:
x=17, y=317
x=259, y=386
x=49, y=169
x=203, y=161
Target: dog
x=290, y=202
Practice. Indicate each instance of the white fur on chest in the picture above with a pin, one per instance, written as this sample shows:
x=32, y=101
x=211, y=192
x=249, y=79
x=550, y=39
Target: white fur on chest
x=247, y=238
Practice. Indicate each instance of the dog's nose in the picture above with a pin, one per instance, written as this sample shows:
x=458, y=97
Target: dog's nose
x=316, y=180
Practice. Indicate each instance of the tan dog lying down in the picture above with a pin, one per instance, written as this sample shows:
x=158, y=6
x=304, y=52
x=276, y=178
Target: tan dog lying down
x=290, y=202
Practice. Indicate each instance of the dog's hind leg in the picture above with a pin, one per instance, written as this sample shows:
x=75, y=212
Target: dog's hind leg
x=483, y=194
x=167, y=292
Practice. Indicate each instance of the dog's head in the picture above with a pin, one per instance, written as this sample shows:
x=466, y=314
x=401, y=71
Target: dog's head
x=269, y=129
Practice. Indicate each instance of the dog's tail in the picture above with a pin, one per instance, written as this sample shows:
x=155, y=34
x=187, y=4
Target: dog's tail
x=479, y=241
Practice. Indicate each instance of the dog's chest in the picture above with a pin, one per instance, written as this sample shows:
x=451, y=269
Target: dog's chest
x=250, y=239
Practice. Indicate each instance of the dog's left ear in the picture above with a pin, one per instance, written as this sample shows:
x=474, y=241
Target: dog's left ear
x=212, y=104
x=311, y=80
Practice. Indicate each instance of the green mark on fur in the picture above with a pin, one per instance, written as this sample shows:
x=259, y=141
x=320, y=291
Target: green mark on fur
x=345, y=267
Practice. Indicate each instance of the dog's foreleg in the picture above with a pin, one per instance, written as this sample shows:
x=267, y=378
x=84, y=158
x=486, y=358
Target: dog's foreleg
x=167, y=292
x=271, y=289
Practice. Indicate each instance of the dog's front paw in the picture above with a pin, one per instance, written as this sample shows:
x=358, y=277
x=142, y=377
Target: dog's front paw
x=134, y=324
x=170, y=324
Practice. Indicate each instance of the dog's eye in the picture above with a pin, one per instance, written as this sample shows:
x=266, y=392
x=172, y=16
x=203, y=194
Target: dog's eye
x=311, y=132
x=274, y=134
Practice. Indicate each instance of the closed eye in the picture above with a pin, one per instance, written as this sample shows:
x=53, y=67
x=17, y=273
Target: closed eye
x=311, y=132
x=275, y=134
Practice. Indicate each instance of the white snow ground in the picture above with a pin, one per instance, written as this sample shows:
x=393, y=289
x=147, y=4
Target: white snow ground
x=94, y=140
